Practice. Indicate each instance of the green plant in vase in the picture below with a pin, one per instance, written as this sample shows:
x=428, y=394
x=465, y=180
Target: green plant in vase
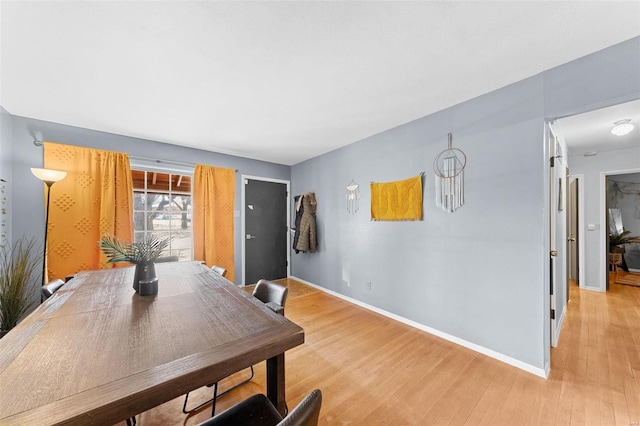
x=141, y=253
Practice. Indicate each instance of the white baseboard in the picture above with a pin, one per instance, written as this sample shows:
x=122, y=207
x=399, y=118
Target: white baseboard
x=541, y=372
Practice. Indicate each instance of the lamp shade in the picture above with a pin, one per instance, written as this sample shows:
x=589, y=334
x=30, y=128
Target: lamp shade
x=48, y=175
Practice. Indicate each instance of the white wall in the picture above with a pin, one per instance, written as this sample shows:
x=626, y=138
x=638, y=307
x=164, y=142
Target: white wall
x=593, y=168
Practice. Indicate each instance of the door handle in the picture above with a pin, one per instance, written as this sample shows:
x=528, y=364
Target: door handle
x=554, y=253
x=250, y=237
x=571, y=239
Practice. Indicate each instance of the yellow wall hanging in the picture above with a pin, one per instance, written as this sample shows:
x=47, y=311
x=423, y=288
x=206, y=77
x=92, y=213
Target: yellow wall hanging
x=399, y=200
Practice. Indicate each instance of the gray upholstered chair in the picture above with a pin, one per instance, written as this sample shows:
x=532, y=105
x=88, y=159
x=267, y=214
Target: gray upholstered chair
x=50, y=288
x=274, y=296
x=258, y=410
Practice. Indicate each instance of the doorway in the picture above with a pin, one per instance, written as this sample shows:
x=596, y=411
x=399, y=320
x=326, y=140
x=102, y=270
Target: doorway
x=575, y=219
x=265, y=235
x=621, y=191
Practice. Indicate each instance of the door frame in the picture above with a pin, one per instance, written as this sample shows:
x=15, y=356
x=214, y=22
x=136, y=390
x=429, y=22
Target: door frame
x=581, y=230
x=552, y=199
x=244, y=179
x=604, y=252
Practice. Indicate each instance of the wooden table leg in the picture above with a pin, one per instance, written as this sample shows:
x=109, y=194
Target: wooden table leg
x=275, y=383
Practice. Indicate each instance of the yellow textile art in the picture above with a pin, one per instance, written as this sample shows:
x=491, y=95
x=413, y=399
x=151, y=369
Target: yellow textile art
x=213, y=201
x=95, y=198
x=400, y=200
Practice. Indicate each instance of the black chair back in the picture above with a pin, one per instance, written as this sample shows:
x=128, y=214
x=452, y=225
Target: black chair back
x=268, y=292
x=50, y=288
x=219, y=270
x=306, y=413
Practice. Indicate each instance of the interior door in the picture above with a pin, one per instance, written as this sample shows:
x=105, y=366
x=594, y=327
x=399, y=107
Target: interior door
x=266, y=232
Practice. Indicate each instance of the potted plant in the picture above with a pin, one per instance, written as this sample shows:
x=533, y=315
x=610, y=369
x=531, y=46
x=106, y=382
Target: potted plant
x=141, y=253
x=18, y=281
x=617, y=242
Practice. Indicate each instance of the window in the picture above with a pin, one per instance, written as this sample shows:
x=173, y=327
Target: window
x=162, y=207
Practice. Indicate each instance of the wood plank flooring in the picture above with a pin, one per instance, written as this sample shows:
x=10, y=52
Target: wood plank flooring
x=375, y=371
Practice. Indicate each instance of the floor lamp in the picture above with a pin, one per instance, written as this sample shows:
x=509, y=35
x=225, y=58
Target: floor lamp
x=49, y=177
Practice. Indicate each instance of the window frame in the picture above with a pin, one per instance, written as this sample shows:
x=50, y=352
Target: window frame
x=158, y=166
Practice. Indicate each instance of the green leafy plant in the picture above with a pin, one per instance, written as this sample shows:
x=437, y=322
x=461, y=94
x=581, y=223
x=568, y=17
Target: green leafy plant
x=622, y=239
x=144, y=251
x=18, y=281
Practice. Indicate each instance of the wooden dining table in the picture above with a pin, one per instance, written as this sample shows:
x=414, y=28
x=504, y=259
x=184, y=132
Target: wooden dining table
x=98, y=353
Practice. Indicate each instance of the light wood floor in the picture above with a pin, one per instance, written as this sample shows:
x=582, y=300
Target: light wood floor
x=375, y=371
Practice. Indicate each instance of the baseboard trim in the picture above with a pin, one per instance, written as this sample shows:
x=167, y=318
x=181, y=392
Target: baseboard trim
x=541, y=372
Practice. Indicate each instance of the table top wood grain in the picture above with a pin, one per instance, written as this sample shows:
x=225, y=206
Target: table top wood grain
x=96, y=352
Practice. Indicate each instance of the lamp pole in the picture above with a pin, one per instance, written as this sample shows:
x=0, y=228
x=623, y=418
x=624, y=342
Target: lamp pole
x=49, y=177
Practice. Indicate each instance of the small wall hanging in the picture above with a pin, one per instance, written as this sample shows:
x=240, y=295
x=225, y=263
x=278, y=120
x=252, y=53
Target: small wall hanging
x=449, y=170
x=399, y=200
x=353, y=197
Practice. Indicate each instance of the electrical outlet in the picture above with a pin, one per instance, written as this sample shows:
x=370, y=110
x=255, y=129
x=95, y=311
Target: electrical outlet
x=369, y=285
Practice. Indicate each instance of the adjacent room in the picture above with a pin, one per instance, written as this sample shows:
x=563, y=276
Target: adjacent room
x=361, y=213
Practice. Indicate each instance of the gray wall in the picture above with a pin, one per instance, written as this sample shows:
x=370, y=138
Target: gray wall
x=481, y=273
x=28, y=208
x=5, y=173
x=592, y=168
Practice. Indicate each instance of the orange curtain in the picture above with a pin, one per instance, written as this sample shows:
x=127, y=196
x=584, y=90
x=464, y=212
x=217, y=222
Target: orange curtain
x=95, y=197
x=213, y=200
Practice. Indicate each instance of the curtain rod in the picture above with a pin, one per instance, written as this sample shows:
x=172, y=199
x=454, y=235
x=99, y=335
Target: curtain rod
x=36, y=142
x=161, y=161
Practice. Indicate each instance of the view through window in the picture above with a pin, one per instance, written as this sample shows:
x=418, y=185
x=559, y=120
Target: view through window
x=162, y=207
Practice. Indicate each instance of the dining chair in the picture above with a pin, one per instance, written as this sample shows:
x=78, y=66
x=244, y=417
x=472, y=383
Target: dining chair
x=274, y=297
x=50, y=288
x=219, y=270
x=258, y=410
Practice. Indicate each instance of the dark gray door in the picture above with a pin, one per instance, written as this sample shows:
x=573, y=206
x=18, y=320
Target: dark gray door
x=265, y=230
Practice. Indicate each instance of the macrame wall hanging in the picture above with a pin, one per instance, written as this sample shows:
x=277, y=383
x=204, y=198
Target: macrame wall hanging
x=449, y=169
x=353, y=197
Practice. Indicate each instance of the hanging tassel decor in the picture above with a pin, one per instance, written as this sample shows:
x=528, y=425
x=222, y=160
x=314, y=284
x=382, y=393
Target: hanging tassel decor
x=449, y=170
x=353, y=197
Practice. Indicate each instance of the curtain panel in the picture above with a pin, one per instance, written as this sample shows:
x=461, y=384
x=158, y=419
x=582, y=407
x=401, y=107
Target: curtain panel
x=95, y=198
x=213, y=201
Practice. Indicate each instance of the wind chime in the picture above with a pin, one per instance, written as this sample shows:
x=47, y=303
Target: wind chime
x=353, y=197
x=449, y=170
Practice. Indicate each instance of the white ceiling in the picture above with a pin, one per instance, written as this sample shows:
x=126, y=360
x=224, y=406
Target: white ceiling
x=280, y=81
x=591, y=132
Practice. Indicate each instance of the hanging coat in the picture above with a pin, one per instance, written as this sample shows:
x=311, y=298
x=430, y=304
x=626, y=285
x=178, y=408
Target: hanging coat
x=305, y=238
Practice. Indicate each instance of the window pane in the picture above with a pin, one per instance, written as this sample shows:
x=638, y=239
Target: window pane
x=180, y=209
x=139, y=201
x=138, y=236
x=139, y=221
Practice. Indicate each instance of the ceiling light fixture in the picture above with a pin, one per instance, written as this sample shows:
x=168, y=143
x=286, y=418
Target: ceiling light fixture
x=622, y=127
